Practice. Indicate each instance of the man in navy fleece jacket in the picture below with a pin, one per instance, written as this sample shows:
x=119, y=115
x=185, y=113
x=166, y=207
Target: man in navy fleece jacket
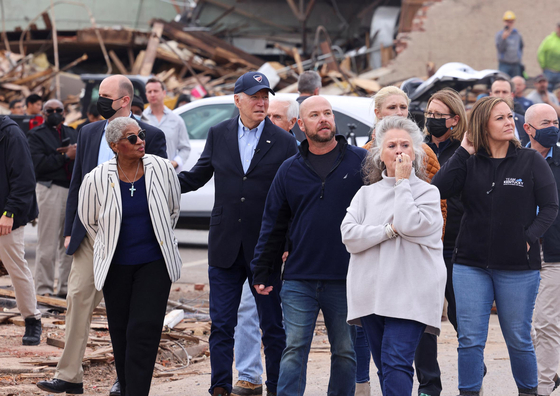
x=308, y=200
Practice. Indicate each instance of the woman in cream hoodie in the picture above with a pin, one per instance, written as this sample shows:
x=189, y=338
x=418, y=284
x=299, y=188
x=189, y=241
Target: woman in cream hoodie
x=396, y=279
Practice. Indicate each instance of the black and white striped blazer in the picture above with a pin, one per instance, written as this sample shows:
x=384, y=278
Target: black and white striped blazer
x=100, y=210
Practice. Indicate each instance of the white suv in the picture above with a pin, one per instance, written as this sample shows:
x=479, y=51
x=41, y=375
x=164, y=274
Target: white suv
x=202, y=114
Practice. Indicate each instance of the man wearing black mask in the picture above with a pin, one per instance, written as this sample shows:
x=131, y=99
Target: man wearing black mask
x=53, y=149
x=541, y=125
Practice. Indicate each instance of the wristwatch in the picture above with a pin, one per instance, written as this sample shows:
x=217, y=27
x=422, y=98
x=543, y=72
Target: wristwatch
x=9, y=214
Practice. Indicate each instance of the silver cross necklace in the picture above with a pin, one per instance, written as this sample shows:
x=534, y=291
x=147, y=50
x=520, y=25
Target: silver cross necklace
x=131, y=189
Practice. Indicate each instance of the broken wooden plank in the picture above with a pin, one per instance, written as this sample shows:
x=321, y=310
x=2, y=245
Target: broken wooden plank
x=52, y=301
x=47, y=20
x=55, y=342
x=118, y=62
x=151, y=50
x=6, y=316
x=138, y=62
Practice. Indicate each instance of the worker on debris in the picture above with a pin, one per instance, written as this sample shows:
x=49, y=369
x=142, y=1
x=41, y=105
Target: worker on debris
x=18, y=206
x=158, y=115
x=53, y=150
x=130, y=206
x=243, y=153
x=115, y=97
x=509, y=45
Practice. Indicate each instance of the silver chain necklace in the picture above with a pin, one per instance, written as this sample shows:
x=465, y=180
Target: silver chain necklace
x=131, y=189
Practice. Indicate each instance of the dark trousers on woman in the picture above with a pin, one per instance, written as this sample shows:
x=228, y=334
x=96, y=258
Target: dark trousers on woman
x=136, y=300
x=392, y=343
x=425, y=360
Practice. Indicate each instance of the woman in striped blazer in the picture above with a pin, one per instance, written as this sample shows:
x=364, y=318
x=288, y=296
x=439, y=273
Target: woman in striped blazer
x=129, y=207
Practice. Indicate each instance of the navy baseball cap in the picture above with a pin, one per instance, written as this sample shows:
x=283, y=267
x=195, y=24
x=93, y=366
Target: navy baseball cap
x=251, y=83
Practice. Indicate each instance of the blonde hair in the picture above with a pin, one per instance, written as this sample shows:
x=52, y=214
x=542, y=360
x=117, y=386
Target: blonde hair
x=452, y=100
x=373, y=166
x=478, y=123
x=385, y=92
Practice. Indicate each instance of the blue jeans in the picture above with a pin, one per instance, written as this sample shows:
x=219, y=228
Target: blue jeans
x=363, y=356
x=515, y=293
x=393, y=343
x=511, y=69
x=553, y=78
x=301, y=301
x=247, y=337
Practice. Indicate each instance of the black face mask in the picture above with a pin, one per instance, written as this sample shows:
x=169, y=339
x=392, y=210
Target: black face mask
x=54, y=119
x=436, y=127
x=546, y=137
x=105, y=107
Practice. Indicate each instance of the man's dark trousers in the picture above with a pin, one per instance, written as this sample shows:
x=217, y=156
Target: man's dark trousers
x=226, y=285
x=425, y=359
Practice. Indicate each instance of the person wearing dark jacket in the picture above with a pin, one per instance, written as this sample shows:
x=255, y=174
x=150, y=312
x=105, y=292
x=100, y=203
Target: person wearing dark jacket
x=308, y=200
x=497, y=252
x=446, y=123
x=542, y=127
x=53, y=149
x=18, y=206
x=243, y=154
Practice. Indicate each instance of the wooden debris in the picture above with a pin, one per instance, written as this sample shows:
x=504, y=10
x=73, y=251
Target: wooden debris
x=55, y=342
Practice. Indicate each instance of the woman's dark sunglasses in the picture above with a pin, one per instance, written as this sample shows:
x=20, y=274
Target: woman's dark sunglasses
x=50, y=111
x=134, y=138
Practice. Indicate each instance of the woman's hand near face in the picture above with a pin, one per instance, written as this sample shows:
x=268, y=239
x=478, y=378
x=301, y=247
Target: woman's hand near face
x=467, y=145
x=403, y=166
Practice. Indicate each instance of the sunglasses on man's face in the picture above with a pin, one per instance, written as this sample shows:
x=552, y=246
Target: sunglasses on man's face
x=50, y=111
x=134, y=138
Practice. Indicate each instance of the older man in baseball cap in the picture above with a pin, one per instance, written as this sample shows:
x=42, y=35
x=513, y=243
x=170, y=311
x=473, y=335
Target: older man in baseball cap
x=243, y=154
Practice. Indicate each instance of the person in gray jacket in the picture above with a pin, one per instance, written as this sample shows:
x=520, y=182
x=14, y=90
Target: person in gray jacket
x=509, y=45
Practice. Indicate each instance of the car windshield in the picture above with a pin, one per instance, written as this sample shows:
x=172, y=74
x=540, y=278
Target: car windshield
x=200, y=119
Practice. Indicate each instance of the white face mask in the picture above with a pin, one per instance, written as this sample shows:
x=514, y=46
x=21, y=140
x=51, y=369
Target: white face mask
x=138, y=118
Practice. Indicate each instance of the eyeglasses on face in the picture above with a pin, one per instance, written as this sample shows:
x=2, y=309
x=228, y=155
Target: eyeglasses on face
x=437, y=115
x=58, y=110
x=134, y=138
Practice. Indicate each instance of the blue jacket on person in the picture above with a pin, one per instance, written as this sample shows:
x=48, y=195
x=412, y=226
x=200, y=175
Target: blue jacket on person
x=17, y=177
x=310, y=210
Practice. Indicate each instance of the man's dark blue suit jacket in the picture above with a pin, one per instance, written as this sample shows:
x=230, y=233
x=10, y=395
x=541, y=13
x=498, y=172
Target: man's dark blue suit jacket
x=239, y=197
x=87, y=153
x=519, y=121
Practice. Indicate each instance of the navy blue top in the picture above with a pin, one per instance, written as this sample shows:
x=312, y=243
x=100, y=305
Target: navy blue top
x=137, y=241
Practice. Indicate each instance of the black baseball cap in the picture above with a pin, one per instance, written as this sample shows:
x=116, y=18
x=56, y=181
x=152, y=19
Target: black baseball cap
x=251, y=83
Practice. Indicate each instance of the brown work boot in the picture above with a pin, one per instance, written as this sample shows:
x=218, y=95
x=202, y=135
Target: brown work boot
x=246, y=388
x=219, y=391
